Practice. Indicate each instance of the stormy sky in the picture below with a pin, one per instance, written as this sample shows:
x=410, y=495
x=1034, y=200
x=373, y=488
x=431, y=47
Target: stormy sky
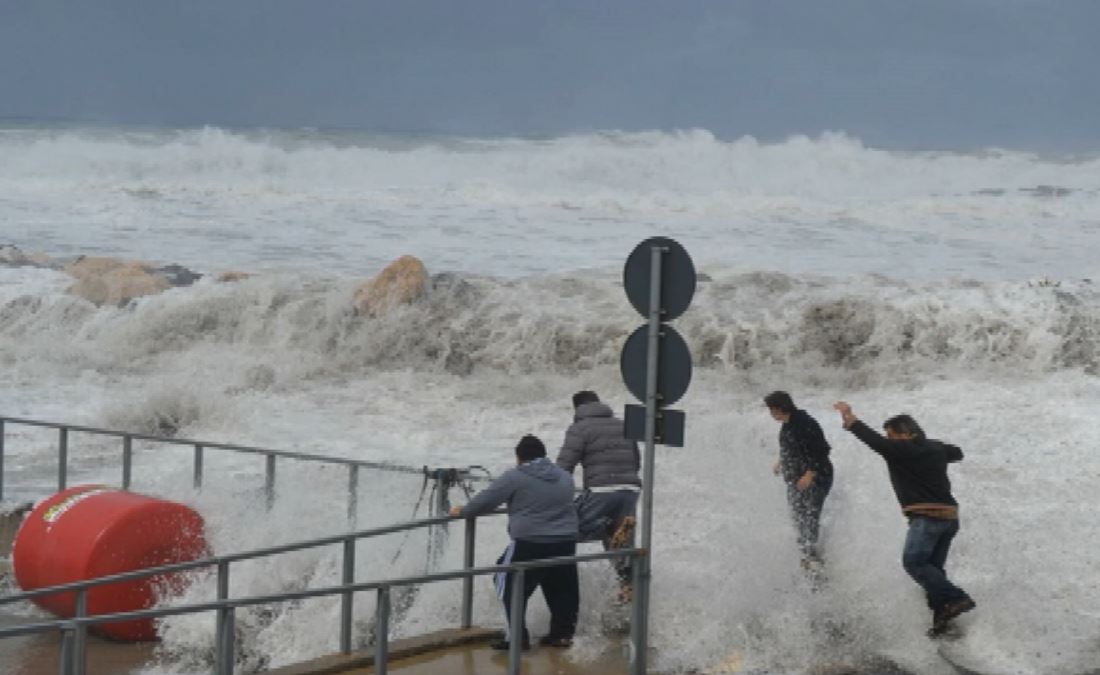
x=924, y=74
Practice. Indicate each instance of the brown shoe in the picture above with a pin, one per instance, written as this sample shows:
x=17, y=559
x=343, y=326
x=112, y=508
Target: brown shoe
x=626, y=594
x=623, y=534
x=953, y=609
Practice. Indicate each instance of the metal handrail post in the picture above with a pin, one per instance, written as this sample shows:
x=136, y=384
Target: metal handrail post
x=1, y=460
x=197, y=480
x=62, y=458
x=353, y=494
x=80, y=635
x=515, y=622
x=382, y=631
x=227, y=642
x=468, y=582
x=269, y=482
x=220, y=619
x=127, y=460
x=348, y=598
x=65, y=660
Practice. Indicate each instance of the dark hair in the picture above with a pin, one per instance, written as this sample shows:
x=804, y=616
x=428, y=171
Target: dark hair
x=585, y=396
x=530, y=447
x=905, y=425
x=781, y=401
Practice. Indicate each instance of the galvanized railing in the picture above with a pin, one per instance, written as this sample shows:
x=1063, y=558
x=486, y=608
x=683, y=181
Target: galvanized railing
x=74, y=630
x=199, y=448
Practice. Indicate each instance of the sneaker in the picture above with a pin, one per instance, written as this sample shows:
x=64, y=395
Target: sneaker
x=503, y=645
x=555, y=641
x=625, y=532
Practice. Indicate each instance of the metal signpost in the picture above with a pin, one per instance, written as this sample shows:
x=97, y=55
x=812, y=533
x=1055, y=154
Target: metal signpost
x=659, y=278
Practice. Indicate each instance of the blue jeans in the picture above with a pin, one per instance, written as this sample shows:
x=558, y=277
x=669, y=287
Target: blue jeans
x=925, y=554
x=600, y=514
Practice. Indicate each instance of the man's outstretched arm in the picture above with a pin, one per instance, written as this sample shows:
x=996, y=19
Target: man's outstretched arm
x=498, y=492
x=871, y=438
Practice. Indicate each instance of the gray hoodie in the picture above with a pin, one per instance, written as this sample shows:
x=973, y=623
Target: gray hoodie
x=540, y=502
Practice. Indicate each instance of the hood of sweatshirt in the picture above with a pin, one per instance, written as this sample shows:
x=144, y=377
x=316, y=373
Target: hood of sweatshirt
x=543, y=469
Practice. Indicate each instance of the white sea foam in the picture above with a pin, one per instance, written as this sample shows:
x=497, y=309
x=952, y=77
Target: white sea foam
x=954, y=287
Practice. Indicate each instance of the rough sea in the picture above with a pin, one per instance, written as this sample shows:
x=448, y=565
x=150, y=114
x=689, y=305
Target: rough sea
x=963, y=289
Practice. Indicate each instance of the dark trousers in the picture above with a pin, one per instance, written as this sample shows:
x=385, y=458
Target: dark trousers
x=806, y=506
x=924, y=557
x=560, y=585
x=600, y=514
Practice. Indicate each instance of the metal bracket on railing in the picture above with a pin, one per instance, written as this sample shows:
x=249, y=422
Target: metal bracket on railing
x=443, y=481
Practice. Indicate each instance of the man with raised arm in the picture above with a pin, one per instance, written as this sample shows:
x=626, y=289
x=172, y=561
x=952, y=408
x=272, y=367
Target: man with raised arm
x=543, y=524
x=918, y=472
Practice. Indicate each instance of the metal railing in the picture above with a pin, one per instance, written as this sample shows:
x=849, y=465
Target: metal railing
x=74, y=630
x=199, y=447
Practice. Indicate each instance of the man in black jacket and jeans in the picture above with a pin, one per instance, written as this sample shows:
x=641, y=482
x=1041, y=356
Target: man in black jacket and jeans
x=918, y=472
x=805, y=467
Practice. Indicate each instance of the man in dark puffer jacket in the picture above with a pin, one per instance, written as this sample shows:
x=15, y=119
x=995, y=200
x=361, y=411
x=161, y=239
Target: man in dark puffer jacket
x=610, y=462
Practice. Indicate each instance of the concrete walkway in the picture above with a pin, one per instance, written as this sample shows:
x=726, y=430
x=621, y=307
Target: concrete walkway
x=462, y=652
x=481, y=660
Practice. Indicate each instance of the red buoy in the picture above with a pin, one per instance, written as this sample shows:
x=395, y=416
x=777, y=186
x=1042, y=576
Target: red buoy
x=93, y=531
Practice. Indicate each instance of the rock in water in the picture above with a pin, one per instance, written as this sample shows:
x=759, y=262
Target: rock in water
x=403, y=281
x=111, y=281
x=13, y=256
x=232, y=276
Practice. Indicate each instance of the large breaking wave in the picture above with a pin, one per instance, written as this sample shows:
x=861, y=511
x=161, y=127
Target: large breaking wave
x=859, y=330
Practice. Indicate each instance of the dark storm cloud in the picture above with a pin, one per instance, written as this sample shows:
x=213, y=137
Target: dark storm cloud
x=931, y=74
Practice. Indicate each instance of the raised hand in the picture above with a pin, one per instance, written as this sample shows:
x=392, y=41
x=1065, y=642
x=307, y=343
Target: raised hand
x=846, y=414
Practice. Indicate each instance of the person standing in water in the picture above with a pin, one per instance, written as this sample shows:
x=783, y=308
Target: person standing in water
x=610, y=463
x=542, y=524
x=918, y=472
x=805, y=467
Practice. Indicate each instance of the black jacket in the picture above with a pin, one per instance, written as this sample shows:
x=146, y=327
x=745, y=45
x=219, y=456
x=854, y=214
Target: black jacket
x=918, y=467
x=802, y=448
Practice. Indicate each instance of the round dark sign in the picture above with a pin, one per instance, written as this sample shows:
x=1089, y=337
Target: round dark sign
x=677, y=277
x=673, y=364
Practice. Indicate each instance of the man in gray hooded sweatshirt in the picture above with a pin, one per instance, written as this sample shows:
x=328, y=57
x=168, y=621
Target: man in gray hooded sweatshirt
x=543, y=524
x=610, y=462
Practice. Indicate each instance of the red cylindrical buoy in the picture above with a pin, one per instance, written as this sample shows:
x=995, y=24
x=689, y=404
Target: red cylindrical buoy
x=93, y=531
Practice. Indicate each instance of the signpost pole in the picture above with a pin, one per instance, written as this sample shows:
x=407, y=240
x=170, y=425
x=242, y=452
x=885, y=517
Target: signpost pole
x=659, y=280
x=640, y=623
